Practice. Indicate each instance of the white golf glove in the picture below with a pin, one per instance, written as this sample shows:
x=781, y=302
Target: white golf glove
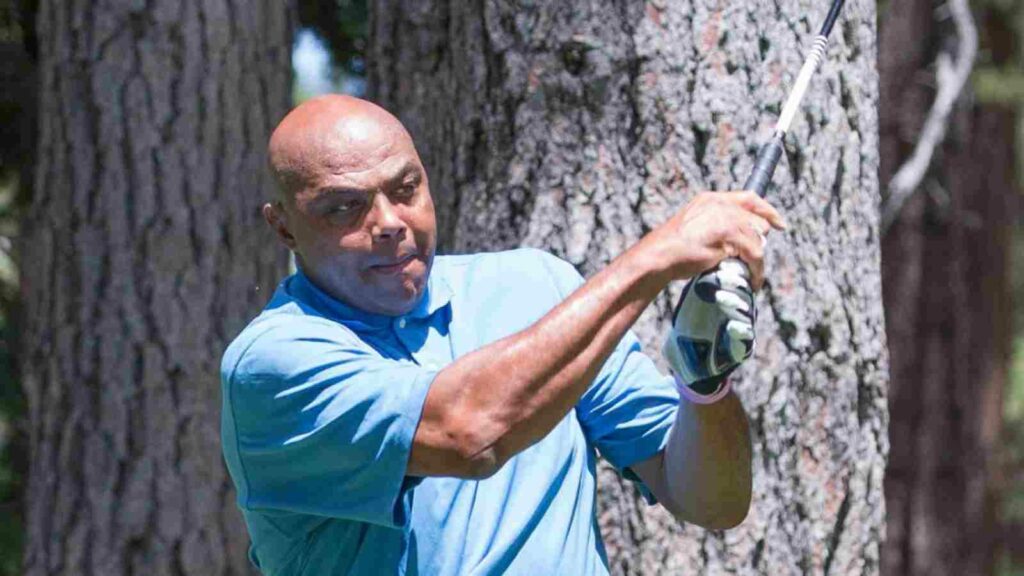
x=712, y=329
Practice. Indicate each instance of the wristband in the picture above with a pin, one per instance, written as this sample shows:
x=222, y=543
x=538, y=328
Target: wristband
x=686, y=392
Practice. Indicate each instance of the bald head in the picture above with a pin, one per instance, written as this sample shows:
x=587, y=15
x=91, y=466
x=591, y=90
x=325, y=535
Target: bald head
x=331, y=134
x=356, y=208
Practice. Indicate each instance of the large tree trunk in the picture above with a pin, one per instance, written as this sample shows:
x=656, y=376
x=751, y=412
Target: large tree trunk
x=947, y=272
x=143, y=254
x=577, y=126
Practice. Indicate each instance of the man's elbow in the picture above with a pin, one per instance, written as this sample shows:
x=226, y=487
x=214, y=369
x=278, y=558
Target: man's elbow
x=478, y=448
x=728, y=517
x=725, y=512
x=479, y=465
x=451, y=441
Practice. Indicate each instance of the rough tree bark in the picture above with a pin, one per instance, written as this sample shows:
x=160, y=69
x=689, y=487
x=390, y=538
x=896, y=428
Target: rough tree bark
x=947, y=271
x=577, y=126
x=143, y=254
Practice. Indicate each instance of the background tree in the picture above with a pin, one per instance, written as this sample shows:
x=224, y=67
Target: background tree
x=948, y=280
x=578, y=126
x=143, y=253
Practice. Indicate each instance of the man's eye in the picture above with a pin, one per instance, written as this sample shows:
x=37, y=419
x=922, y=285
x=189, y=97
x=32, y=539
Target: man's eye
x=346, y=207
x=406, y=191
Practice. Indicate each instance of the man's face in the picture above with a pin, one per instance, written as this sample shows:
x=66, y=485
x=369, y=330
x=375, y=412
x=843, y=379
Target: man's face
x=361, y=218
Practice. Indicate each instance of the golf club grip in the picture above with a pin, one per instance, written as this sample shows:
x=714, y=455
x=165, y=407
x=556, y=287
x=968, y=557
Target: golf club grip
x=767, y=159
x=719, y=265
x=764, y=167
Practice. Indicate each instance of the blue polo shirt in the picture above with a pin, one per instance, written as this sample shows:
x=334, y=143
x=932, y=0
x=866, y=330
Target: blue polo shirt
x=321, y=402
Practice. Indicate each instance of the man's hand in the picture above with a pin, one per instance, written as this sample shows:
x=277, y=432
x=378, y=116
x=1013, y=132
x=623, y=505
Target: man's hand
x=713, y=325
x=712, y=227
x=712, y=328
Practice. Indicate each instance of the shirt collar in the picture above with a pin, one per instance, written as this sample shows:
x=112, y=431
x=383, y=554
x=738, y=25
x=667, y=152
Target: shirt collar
x=437, y=295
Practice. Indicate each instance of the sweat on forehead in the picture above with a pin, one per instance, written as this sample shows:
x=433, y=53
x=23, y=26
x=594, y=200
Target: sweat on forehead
x=334, y=133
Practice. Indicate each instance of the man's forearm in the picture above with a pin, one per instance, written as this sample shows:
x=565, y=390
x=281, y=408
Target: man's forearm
x=493, y=403
x=707, y=466
x=488, y=405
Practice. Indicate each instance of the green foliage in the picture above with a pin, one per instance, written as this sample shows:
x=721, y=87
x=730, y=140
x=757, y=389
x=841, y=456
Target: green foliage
x=299, y=94
x=343, y=26
x=1004, y=85
x=997, y=73
x=1013, y=413
x=1013, y=407
x=12, y=404
x=17, y=130
x=17, y=93
x=1006, y=567
x=999, y=85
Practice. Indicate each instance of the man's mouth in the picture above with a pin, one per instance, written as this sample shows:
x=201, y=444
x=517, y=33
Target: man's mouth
x=393, y=266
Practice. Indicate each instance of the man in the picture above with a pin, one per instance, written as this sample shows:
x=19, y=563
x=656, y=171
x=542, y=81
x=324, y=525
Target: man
x=393, y=412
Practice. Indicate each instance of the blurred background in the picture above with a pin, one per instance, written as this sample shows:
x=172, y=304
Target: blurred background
x=952, y=256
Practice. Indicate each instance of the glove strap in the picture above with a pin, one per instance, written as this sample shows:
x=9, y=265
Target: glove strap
x=686, y=392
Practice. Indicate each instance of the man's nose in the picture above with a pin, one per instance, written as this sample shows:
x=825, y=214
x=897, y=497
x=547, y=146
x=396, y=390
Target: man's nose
x=387, y=224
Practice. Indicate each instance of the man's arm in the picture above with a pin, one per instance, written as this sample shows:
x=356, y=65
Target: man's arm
x=703, y=476
x=496, y=401
x=493, y=403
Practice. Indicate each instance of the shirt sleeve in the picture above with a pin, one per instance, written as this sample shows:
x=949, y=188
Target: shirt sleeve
x=316, y=422
x=629, y=409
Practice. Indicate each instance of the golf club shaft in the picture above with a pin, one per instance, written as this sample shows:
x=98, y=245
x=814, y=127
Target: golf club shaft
x=770, y=153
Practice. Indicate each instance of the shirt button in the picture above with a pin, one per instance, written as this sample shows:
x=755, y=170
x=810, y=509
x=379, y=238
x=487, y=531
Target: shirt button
x=401, y=323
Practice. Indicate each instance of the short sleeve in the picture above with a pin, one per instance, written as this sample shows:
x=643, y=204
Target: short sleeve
x=316, y=422
x=628, y=411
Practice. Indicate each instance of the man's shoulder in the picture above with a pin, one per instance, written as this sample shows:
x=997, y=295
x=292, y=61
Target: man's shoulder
x=280, y=327
x=518, y=265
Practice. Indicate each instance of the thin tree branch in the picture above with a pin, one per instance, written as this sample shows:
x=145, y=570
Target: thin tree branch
x=951, y=78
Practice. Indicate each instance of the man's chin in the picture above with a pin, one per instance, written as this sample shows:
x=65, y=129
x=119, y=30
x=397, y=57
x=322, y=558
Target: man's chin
x=399, y=300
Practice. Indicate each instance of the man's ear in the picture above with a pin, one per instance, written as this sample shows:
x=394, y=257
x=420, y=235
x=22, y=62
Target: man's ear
x=273, y=213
